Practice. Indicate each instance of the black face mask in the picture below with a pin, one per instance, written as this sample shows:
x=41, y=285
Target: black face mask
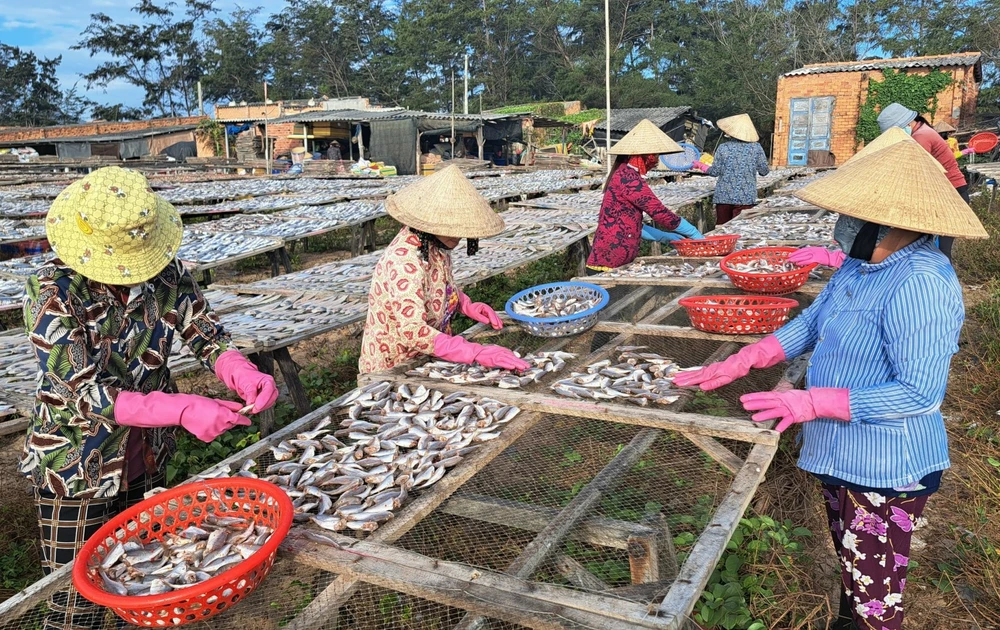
x=865, y=242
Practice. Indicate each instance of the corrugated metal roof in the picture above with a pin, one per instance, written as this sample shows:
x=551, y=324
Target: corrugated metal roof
x=626, y=119
x=108, y=137
x=936, y=61
x=353, y=115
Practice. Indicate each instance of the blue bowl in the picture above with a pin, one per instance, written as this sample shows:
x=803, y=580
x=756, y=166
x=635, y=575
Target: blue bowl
x=559, y=326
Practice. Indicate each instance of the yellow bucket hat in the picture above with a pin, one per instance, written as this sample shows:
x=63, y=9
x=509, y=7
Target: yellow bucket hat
x=111, y=227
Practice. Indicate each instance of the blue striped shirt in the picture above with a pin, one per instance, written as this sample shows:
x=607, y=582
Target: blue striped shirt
x=887, y=333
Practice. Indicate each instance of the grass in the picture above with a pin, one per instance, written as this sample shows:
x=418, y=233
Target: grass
x=20, y=564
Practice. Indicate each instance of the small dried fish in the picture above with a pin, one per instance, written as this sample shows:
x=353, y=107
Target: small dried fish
x=542, y=363
x=638, y=378
x=548, y=306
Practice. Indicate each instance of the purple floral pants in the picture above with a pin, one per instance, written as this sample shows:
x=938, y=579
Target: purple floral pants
x=871, y=534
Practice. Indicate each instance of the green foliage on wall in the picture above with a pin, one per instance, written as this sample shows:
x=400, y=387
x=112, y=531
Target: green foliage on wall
x=917, y=92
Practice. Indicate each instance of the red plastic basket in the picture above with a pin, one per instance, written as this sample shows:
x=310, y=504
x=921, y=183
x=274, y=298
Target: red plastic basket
x=706, y=247
x=983, y=142
x=738, y=314
x=173, y=511
x=765, y=283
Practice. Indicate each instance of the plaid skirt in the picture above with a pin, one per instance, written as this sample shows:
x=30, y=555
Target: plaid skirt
x=65, y=524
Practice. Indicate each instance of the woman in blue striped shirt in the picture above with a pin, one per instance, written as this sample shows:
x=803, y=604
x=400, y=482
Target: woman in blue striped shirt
x=882, y=334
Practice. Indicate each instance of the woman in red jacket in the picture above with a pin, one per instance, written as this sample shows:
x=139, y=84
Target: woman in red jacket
x=896, y=115
x=627, y=196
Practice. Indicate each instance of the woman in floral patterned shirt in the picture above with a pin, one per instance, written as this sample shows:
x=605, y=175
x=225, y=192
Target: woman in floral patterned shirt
x=102, y=318
x=627, y=196
x=413, y=296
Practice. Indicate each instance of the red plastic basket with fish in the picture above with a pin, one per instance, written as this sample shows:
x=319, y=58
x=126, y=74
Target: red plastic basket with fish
x=765, y=283
x=173, y=511
x=738, y=314
x=706, y=247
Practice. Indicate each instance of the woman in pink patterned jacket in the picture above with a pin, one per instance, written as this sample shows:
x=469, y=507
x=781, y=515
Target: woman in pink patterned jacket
x=413, y=296
x=627, y=196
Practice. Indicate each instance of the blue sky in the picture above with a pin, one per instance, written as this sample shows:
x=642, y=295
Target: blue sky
x=51, y=27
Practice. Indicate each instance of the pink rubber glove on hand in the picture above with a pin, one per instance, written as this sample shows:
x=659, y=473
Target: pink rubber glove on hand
x=818, y=255
x=764, y=354
x=479, y=312
x=458, y=350
x=699, y=166
x=205, y=418
x=243, y=377
x=967, y=151
x=796, y=406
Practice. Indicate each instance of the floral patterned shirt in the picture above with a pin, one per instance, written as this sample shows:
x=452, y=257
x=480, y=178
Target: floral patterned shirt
x=619, y=227
x=409, y=304
x=93, y=340
x=737, y=165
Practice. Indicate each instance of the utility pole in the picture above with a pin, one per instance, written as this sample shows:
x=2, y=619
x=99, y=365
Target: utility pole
x=453, y=114
x=607, y=82
x=201, y=104
x=267, y=142
x=465, y=106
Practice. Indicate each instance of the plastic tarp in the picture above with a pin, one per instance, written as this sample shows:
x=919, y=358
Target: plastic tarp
x=507, y=130
x=178, y=145
x=73, y=150
x=134, y=148
x=394, y=142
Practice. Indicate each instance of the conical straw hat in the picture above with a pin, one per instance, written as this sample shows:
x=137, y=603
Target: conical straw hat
x=891, y=136
x=445, y=204
x=900, y=186
x=645, y=139
x=740, y=127
x=944, y=127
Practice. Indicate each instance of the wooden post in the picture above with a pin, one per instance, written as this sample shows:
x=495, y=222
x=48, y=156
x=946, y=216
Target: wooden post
x=265, y=363
x=290, y=372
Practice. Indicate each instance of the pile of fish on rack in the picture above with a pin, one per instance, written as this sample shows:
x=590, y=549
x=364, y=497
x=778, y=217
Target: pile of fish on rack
x=639, y=378
x=19, y=230
x=268, y=225
x=343, y=213
x=330, y=277
x=640, y=269
x=394, y=440
x=764, y=266
x=291, y=316
x=542, y=363
x=11, y=293
x=181, y=560
x=203, y=248
x=781, y=226
x=24, y=208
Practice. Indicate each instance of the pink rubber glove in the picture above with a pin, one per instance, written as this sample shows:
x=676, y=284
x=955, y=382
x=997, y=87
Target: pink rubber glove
x=243, y=377
x=967, y=151
x=818, y=255
x=478, y=311
x=205, y=418
x=458, y=350
x=699, y=166
x=796, y=406
x=764, y=354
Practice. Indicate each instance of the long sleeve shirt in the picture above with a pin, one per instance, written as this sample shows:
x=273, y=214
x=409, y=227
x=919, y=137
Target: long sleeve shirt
x=938, y=147
x=92, y=341
x=737, y=165
x=887, y=333
x=619, y=227
x=411, y=301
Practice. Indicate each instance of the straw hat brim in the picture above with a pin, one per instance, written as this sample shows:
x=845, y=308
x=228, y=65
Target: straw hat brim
x=92, y=258
x=740, y=127
x=445, y=204
x=890, y=137
x=943, y=127
x=645, y=139
x=900, y=186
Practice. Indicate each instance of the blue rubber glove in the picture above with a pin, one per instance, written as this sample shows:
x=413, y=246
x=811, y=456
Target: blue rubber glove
x=688, y=230
x=659, y=236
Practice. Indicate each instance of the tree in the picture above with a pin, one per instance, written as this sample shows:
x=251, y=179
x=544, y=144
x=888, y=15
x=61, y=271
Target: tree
x=117, y=113
x=161, y=55
x=235, y=65
x=29, y=90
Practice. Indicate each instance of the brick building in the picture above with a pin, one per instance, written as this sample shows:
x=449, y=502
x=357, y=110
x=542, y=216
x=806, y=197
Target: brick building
x=122, y=140
x=817, y=106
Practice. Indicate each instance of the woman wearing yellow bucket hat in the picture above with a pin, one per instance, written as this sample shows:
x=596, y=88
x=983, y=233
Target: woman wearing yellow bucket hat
x=882, y=334
x=737, y=164
x=413, y=296
x=101, y=318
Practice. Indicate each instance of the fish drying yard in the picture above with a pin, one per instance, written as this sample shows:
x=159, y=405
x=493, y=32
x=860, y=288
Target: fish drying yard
x=586, y=492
